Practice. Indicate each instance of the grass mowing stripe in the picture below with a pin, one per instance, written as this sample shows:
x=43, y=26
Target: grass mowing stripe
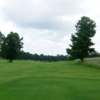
x=51, y=88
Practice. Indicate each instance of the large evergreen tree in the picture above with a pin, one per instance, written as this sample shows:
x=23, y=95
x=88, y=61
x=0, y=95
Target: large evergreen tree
x=81, y=40
x=11, y=47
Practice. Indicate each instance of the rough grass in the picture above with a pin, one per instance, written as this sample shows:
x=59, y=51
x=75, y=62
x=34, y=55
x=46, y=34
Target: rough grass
x=94, y=62
x=29, y=80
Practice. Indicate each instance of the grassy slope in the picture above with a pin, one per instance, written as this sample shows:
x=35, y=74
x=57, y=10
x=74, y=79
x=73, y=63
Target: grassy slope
x=28, y=80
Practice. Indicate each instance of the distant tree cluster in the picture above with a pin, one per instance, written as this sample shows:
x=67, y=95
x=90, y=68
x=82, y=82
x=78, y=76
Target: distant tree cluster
x=94, y=54
x=36, y=57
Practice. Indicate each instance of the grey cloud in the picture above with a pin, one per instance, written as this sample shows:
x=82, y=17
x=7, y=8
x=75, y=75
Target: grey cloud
x=42, y=15
x=46, y=25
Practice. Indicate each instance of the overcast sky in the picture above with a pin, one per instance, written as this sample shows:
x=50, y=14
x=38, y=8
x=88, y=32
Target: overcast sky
x=47, y=25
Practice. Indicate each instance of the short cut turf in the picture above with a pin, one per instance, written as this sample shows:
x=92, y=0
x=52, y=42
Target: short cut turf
x=30, y=80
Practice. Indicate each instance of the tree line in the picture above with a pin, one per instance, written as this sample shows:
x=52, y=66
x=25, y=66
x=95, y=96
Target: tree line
x=50, y=58
x=41, y=57
x=10, y=48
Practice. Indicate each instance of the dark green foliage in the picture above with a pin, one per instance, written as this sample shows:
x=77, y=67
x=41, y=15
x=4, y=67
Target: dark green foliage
x=36, y=57
x=70, y=58
x=81, y=40
x=2, y=37
x=11, y=47
x=94, y=54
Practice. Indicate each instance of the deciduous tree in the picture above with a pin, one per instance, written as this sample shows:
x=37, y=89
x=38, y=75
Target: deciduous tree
x=12, y=45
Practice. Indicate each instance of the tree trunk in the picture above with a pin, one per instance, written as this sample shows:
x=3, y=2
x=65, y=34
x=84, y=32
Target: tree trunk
x=81, y=60
x=10, y=60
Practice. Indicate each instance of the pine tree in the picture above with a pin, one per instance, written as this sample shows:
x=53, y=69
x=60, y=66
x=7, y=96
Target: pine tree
x=81, y=40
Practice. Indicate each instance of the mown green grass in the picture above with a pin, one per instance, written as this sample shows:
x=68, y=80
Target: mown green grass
x=30, y=80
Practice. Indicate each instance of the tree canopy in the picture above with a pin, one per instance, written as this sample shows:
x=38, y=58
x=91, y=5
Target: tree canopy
x=11, y=46
x=81, y=40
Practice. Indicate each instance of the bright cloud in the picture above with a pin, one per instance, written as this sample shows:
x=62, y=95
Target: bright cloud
x=46, y=25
